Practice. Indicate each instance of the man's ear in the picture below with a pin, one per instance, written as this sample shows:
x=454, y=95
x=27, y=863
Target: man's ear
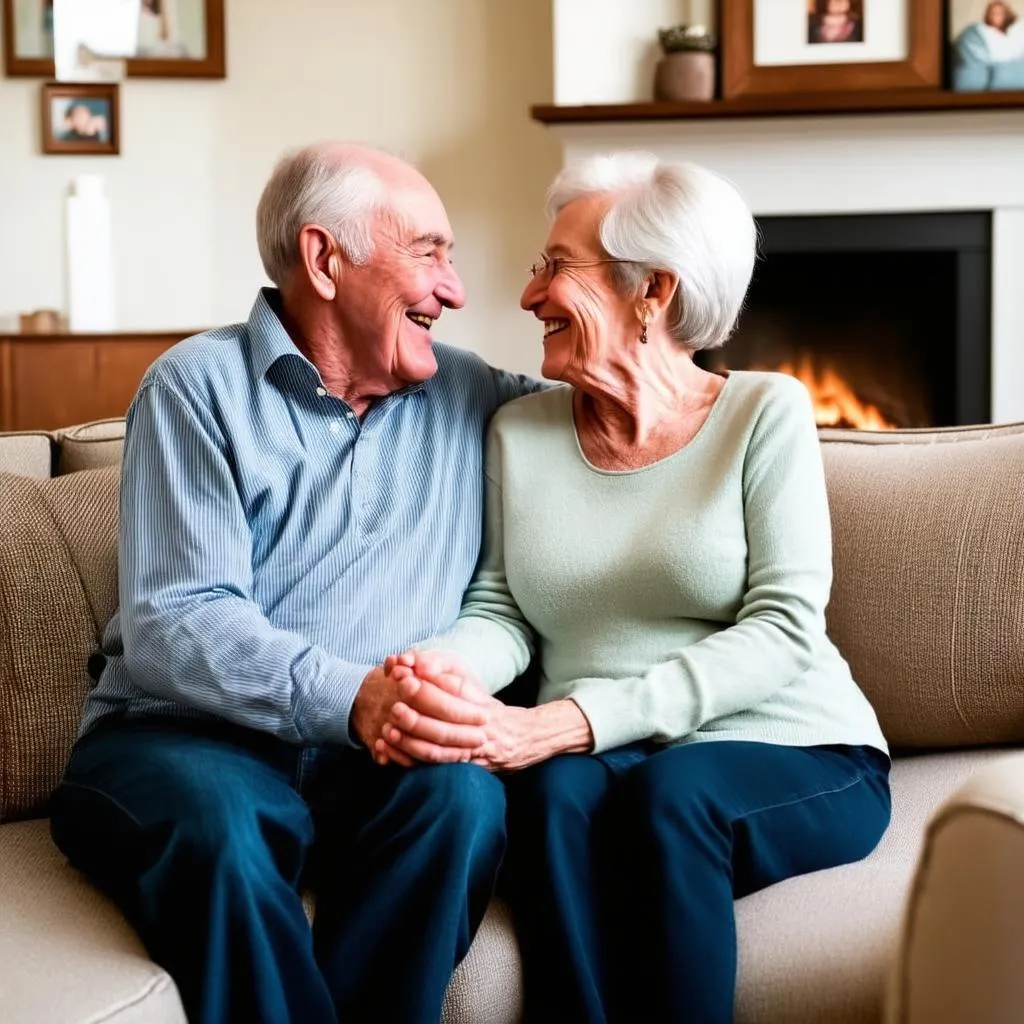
x=659, y=291
x=320, y=260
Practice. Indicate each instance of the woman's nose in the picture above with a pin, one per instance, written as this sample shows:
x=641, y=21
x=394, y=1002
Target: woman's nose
x=533, y=293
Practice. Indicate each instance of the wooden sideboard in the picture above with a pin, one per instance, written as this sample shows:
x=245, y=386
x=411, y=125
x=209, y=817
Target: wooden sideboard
x=49, y=381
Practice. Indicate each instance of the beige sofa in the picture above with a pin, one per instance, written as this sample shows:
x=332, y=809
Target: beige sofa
x=928, y=606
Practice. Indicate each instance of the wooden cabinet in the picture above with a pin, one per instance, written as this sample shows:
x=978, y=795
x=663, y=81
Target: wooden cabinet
x=49, y=381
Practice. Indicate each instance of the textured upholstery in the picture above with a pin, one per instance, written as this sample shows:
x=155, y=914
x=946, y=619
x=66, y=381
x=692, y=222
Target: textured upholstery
x=816, y=949
x=27, y=454
x=811, y=949
x=53, y=920
x=963, y=932
x=57, y=559
x=928, y=599
x=90, y=445
x=66, y=955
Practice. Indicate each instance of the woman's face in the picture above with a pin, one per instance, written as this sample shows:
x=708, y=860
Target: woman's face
x=997, y=15
x=585, y=316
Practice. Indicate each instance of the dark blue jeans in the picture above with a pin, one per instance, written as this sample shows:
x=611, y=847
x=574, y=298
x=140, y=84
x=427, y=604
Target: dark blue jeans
x=204, y=836
x=622, y=868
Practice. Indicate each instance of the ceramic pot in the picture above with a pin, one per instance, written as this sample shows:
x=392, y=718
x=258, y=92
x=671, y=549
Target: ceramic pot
x=685, y=77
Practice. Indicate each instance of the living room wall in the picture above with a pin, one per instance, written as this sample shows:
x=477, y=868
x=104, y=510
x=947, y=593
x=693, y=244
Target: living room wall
x=447, y=84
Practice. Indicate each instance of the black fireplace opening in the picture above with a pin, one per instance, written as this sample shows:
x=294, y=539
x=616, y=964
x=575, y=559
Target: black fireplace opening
x=885, y=318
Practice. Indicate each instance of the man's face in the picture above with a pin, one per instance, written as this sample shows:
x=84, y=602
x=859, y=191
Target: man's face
x=388, y=305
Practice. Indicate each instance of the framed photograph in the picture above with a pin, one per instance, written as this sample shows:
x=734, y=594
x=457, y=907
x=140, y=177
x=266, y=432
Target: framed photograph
x=986, y=45
x=81, y=119
x=776, y=46
x=176, y=39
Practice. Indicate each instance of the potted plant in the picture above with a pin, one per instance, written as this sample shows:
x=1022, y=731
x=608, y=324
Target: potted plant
x=687, y=71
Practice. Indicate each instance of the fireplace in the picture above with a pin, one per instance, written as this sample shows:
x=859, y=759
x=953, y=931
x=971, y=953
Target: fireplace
x=885, y=318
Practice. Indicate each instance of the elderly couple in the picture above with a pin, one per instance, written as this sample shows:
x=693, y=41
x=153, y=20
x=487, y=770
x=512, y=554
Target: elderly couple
x=339, y=542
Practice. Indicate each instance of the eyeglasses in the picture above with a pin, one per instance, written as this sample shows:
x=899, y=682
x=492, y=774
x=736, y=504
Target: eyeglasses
x=547, y=266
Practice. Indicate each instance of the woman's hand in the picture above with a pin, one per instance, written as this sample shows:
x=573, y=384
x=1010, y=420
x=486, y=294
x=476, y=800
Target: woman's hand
x=515, y=737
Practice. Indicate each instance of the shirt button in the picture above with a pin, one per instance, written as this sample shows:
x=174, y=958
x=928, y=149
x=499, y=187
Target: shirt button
x=321, y=392
x=335, y=426
x=350, y=414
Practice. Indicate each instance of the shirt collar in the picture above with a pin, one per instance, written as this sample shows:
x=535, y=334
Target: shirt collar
x=268, y=340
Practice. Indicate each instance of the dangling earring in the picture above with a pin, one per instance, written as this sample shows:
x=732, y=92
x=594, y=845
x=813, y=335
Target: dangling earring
x=644, y=314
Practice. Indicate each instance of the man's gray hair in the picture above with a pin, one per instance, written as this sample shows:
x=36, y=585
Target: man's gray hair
x=315, y=186
x=677, y=217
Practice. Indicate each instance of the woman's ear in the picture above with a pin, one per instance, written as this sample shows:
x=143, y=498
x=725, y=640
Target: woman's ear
x=320, y=260
x=660, y=289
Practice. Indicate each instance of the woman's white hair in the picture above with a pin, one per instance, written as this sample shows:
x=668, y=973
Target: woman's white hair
x=315, y=186
x=677, y=217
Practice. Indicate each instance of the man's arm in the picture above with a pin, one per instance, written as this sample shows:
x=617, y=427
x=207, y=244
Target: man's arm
x=193, y=632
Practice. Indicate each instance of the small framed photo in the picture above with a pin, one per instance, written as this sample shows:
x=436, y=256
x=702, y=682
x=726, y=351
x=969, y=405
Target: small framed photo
x=81, y=119
x=986, y=44
x=812, y=46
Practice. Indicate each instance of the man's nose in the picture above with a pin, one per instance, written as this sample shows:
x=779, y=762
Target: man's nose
x=450, y=289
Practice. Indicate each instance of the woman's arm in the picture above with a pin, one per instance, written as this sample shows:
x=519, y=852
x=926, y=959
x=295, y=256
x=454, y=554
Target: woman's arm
x=490, y=638
x=781, y=620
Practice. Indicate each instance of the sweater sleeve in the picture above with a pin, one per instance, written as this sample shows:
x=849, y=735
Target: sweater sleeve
x=491, y=635
x=781, y=620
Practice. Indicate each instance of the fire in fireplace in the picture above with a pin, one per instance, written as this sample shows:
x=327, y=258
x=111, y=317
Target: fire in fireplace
x=885, y=319
x=835, y=403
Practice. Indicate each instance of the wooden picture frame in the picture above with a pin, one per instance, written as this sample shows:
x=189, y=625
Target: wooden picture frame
x=920, y=69
x=65, y=137
x=211, y=65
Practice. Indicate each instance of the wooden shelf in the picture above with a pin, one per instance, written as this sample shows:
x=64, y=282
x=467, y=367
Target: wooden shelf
x=900, y=101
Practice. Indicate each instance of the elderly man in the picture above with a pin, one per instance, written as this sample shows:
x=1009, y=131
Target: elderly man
x=301, y=496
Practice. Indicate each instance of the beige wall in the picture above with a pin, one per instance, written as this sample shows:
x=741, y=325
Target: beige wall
x=446, y=83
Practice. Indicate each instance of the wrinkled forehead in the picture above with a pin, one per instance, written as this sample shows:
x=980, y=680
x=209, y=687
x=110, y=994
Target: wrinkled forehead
x=418, y=213
x=577, y=227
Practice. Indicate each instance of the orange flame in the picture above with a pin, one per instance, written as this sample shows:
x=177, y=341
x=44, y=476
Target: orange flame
x=835, y=403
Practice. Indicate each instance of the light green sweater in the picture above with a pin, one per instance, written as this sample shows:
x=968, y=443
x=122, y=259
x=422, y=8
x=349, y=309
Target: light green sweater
x=679, y=602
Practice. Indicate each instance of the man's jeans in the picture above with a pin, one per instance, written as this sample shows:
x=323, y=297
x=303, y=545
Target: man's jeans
x=204, y=835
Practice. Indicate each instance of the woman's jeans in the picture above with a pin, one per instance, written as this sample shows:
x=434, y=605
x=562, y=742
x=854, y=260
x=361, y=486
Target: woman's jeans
x=203, y=835
x=622, y=868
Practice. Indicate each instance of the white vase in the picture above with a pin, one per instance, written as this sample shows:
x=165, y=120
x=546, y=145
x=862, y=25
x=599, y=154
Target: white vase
x=90, y=257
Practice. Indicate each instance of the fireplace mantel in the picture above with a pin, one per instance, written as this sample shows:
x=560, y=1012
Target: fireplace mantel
x=865, y=164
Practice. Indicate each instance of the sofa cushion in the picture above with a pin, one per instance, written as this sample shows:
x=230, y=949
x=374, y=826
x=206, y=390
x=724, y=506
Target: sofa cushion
x=66, y=954
x=27, y=454
x=811, y=949
x=90, y=445
x=819, y=947
x=54, y=923
x=57, y=590
x=928, y=595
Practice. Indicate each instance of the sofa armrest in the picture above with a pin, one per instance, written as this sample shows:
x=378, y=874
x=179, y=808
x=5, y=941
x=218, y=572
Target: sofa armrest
x=963, y=927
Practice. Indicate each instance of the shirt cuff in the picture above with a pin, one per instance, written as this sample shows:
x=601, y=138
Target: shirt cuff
x=324, y=695
x=602, y=708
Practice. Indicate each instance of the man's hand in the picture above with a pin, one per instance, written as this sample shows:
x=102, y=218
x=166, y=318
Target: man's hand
x=454, y=734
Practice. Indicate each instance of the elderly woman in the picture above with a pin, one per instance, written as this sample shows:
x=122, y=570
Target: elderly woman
x=662, y=534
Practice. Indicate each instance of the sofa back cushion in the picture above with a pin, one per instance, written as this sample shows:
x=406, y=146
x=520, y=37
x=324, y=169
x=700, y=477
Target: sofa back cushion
x=58, y=587
x=27, y=453
x=928, y=593
x=90, y=445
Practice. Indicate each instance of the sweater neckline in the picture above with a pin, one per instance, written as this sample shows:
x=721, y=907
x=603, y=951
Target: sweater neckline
x=677, y=454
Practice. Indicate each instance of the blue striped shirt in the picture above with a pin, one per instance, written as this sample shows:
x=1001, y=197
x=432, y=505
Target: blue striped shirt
x=273, y=548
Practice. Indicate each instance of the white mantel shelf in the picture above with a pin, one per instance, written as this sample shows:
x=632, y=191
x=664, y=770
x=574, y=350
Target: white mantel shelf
x=900, y=163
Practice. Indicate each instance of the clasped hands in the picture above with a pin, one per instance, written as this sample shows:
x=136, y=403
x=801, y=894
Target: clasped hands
x=426, y=707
